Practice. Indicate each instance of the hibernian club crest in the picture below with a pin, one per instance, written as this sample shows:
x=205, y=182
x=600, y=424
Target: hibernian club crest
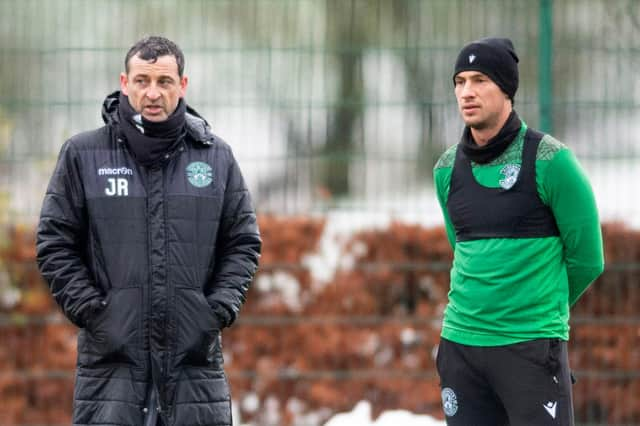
x=449, y=402
x=199, y=174
x=510, y=173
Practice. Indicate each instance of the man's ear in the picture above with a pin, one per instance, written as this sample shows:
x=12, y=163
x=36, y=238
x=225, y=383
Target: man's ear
x=123, y=83
x=184, y=81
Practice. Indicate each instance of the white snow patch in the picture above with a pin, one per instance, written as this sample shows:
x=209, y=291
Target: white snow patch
x=283, y=285
x=250, y=402
x=408, y=336
x=361, y=416
x=271, y=413
x=338, y=229
x=405, y=418
x=370, y=345
x=341, y=225
x=9, y=295
x=295, y=406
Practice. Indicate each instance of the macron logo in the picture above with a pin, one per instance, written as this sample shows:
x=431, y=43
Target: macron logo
x=551, y=408
x=106, y=171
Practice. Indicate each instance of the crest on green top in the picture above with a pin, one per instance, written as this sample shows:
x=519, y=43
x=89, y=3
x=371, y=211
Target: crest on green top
x=510, y=173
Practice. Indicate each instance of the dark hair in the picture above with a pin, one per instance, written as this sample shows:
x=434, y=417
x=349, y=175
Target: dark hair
x=152, y=47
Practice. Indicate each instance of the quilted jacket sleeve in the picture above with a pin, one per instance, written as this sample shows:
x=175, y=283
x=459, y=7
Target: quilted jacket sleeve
x=238, y=248
x=60, y=241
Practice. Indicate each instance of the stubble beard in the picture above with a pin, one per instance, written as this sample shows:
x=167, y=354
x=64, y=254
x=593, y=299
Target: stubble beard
x=483, y=123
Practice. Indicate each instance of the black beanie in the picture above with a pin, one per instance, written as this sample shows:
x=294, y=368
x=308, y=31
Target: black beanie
x=493, y=56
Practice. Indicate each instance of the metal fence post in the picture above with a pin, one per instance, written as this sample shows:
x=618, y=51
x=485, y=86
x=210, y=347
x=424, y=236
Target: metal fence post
x=545, y=63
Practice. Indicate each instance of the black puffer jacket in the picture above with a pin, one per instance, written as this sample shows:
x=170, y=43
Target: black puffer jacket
x=151, y=263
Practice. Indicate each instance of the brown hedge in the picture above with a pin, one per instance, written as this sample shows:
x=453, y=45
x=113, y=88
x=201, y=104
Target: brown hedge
x=370, y=333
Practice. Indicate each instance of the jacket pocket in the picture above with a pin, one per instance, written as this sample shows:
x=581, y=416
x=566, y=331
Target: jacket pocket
x=198, y=328
x=111, y=335
x=97, y=263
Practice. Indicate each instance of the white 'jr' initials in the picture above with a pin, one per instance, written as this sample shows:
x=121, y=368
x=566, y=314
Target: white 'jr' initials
x=117, y=186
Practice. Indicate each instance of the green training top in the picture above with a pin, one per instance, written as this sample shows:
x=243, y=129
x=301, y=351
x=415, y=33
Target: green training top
x=508, y=290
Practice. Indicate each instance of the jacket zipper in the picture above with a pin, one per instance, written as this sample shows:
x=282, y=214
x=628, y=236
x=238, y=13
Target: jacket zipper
x=168, y=351
x=149, y=304
x=159, y=408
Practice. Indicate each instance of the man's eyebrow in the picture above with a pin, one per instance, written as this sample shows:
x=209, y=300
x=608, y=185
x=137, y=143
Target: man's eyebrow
x=160, y=77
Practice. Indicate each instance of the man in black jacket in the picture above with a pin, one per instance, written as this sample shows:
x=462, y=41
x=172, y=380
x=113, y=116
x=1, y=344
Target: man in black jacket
x=148, y=241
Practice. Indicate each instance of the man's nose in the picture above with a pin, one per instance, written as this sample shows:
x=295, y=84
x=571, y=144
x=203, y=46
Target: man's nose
x=467, y=91
x=153, y=93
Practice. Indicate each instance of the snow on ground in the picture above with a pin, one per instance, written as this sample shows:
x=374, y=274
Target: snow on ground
x=279, y=286
x=339, y=228
x=361, y=416
x=341, y=224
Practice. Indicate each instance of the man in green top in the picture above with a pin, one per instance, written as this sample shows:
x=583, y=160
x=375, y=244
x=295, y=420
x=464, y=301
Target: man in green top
x=521, y=218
